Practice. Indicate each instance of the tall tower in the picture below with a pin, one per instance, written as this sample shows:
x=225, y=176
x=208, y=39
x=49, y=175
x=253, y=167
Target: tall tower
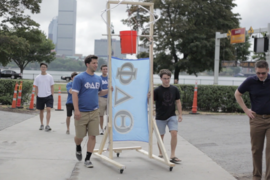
x=66, y=29
x=53, y=30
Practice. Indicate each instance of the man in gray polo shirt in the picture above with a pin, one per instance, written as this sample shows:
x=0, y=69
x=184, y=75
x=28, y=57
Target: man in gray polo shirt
x=259, y=91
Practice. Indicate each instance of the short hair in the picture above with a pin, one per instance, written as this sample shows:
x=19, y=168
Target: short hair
x=261, y=64
x=102, y=66
x=43, y=64
x=89, y=58
x=74, y=74
x=165, y=71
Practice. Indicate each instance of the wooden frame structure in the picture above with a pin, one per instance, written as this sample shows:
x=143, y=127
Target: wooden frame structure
x=152, y=122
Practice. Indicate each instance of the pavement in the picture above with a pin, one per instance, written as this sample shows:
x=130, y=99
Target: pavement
x=224, y=138
x=28, y=153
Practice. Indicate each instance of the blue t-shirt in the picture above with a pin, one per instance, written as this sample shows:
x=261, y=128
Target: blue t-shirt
x=104, y=84
x=69, y=99
x=259, y=93
x=87, y=86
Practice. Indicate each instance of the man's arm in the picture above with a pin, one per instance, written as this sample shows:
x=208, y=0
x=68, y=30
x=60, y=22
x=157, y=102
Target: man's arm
x=75, y=100
x=52, y=89
x=179, y=108
x=70, y=91
x=240, y=101
x=36, y=89
x=104, y=92
x=69, y=88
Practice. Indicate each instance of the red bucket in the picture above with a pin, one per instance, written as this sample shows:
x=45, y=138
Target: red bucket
x=128, y=42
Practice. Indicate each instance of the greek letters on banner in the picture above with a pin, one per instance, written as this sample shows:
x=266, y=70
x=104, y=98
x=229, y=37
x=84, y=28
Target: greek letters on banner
x=130, y=79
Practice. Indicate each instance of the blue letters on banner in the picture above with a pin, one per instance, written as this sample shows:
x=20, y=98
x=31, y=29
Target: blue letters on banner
x=130, y=79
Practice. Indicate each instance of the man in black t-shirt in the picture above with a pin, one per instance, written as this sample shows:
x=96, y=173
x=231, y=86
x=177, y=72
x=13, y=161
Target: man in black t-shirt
x=166, y=96
x=259, y=115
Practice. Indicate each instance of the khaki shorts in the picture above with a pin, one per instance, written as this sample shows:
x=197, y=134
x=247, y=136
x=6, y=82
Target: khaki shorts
x=89, y=122
x=102, y=103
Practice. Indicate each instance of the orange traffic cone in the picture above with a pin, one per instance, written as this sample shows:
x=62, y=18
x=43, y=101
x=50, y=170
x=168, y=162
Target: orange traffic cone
x=59, y=100
x=31, y=106
x=194, y=106
x=14, y=97
x=20, y=96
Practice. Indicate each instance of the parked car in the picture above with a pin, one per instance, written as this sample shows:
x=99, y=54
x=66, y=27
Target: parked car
x=10, y=74
x=67, y=78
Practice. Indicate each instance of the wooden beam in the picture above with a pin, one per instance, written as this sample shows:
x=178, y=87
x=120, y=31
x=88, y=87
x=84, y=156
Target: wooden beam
x=160, y=143
x=151, y=58
x=128, y=148
x=110, y=80
x=121, y=148
x=120, y=166
x=103, y=141
x=131, y=3
x=156, y=157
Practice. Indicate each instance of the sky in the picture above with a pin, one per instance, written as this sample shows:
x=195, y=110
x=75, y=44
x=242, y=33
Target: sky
x=90, y=25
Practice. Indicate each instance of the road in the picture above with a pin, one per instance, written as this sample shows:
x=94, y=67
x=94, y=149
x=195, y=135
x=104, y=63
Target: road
x=224, y=138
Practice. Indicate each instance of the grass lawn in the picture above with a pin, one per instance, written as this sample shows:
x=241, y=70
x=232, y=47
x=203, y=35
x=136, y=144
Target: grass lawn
x=63, y=88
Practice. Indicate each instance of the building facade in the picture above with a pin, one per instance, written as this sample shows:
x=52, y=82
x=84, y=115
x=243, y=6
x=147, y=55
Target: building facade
x=66, y=27
x=52, y=35
x=101, y=48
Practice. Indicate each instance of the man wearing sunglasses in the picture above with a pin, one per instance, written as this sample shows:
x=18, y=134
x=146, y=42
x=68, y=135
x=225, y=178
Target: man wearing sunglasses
x=259, y=91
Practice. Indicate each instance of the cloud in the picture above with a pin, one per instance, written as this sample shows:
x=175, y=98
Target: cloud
x=90, y=25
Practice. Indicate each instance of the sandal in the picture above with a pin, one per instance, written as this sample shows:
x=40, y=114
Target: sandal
x=175, y=160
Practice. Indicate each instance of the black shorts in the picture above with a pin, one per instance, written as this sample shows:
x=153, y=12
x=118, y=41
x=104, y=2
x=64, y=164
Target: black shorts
x=44, y=100
x=70, y=108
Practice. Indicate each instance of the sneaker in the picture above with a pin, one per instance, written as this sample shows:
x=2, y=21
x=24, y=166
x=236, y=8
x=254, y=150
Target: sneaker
x=101, y=132
x=48, y=128
x=79, y=155
x=88, y=164
x=41, y=127
x=67, y=132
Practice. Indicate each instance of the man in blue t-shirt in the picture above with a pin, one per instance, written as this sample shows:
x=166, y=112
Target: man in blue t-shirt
x=85, y=91
x=69, y=104
x=259, y=115
x=103, y=99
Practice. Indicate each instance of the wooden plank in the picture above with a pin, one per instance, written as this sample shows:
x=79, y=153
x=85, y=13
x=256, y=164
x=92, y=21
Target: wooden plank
x=103, y=141
x=131, y=3
x=156, y=158
x=121, y=149
x=128, y=148
x=160, y=143
x=151, y=101
x=120, y=166
x=110, y=79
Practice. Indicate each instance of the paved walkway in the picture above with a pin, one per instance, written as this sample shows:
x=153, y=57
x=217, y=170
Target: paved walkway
x=27, y=153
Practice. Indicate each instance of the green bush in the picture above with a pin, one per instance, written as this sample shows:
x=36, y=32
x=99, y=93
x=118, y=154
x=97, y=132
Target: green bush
x=212, y=98
x=7, y=90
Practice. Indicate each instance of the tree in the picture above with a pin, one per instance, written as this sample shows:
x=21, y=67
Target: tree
x=39, y=48
x=259, y=56
x=242, y=50
x=101, y=61
x=186, y=32
x=10, y=44
x=12, y=13
x=12, y=17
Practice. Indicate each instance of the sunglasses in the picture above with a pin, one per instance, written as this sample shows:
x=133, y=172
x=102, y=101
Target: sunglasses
x=263, y=73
